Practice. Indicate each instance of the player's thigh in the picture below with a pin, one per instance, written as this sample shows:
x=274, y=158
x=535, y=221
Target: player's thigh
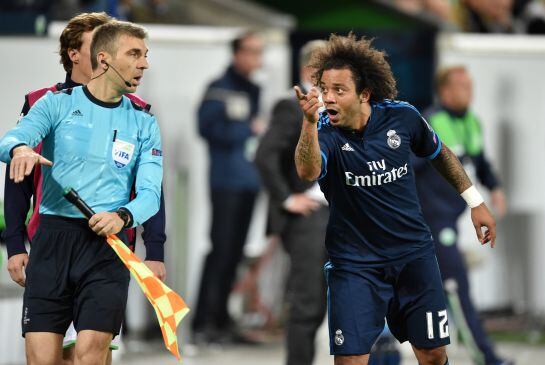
x=418, y=312
x=357, y=304
x=43, y=347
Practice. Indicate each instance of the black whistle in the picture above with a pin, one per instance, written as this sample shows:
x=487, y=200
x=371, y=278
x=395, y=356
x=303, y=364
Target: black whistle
x=72, y=196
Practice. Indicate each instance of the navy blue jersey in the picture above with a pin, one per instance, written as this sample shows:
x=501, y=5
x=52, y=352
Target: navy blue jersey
x=367, y=178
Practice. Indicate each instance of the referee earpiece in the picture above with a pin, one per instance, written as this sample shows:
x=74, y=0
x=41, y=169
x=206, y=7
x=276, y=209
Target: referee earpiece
x=127, y=84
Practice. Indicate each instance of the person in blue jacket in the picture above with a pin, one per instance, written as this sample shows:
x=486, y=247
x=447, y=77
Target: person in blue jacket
x=227, y=118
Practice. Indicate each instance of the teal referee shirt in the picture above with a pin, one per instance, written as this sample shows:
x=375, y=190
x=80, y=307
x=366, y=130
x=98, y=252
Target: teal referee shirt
x=100, y=149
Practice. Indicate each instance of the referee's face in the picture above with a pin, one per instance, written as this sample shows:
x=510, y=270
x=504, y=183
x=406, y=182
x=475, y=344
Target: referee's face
x=130, y=62
x=342, y=102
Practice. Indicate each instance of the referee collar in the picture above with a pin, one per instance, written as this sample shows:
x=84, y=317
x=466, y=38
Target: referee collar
x=100, y=102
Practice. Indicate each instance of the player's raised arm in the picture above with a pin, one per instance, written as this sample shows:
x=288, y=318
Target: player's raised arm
x=452, y=170
x=308, y=160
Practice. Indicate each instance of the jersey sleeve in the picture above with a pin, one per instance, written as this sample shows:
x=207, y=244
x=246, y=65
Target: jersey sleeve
x=424, y=141
x=154, y=233
x=149, y=176
x=32, y=128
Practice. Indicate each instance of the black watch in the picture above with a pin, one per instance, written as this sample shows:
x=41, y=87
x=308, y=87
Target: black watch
x=126, y=216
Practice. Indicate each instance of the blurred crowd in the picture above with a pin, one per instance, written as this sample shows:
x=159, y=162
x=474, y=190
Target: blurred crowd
x=139, y=11
x=474, y=16
x=481, y=16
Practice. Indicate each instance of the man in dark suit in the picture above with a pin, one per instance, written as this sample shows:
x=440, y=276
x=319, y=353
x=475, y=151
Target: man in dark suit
x=298, y=214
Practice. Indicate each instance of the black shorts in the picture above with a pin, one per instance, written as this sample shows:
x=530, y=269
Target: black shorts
x=73, y=275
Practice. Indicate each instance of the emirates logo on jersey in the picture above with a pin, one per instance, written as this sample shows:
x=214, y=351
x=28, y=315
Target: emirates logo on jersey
x=380, y=174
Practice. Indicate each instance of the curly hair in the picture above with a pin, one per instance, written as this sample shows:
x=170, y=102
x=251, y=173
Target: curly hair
x=368, y=65
x=71, y=35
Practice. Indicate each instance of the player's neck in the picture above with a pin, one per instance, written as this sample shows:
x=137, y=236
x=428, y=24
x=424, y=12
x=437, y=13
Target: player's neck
x=360, y=122
x=79, y=77
x=104, y=90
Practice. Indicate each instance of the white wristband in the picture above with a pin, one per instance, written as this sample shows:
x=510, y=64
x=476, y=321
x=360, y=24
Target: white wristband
x=472, y=197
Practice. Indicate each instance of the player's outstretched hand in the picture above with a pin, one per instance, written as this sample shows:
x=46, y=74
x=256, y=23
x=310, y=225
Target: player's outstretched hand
x=106, y=223
x=309, y=103
x=481, y=217
x=16, y=268
x=157, y=268
x=23, y=161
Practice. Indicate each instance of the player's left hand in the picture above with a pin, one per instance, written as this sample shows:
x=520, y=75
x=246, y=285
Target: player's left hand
x=106, y=223
x=481, y=217
x=157, y=268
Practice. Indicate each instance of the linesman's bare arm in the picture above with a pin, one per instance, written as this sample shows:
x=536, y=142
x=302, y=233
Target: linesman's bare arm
x=308, y=160
x=448, y=165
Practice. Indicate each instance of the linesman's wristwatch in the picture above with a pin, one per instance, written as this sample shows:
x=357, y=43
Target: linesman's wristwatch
x=125, y=216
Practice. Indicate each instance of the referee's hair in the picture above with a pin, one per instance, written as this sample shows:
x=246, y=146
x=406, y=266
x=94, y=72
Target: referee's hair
x=368, y=65
x=71, y=35
x=105, y=38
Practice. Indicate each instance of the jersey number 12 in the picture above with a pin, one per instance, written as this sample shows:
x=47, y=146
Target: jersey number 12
x=443, y=326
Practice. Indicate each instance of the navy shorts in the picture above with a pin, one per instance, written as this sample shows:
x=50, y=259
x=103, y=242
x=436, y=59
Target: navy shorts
x=410, y=296
x=73, y=275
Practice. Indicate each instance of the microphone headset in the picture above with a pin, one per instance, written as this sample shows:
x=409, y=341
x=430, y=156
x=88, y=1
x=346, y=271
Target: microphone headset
x=128, y=84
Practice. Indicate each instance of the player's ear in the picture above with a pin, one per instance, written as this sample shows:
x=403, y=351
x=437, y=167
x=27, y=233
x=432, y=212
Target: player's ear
x=365, y=96
x=73, y=54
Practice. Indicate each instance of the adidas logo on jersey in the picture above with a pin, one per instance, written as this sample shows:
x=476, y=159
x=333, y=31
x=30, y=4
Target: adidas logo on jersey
x=77, y=113
x=347, y=147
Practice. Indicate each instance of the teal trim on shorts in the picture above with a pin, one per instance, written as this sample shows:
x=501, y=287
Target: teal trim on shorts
x=72, y=343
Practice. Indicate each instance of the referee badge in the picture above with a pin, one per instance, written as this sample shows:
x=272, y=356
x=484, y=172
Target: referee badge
x=339, y=338
x=122, y=153
x=394, y=141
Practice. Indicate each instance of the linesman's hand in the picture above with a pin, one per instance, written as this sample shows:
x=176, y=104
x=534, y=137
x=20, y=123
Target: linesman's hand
x=16, y=268
x=309, y=103
x=23, y=161
x=106, y=223
x=482, y=217
x=157, y=268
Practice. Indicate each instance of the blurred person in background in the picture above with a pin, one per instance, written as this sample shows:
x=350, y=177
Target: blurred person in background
x=485, y=16
x=460, y=130
x=227, y=118
x=439, y=8
x=75, y=56
x=298, y=213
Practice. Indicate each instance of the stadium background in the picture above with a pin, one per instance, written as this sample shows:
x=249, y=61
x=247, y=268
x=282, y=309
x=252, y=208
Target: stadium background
x=191, y=46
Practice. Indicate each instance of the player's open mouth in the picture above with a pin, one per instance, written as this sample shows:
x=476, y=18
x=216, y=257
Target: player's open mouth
x=137, y=79
x=332, y=114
